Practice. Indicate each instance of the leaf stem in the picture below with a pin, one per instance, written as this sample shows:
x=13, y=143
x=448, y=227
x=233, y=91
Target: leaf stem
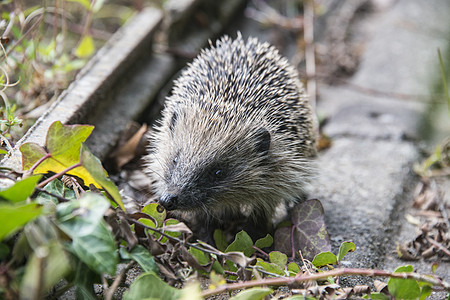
x=36, y=164
x=43, y=183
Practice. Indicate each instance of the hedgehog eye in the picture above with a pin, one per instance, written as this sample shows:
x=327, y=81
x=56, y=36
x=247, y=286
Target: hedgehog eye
x=218, y=174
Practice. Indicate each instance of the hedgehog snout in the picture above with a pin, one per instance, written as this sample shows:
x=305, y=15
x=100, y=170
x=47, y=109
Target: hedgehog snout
x=169, y=201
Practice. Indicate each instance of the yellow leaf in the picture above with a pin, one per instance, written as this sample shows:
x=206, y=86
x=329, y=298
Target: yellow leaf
x=86, y=47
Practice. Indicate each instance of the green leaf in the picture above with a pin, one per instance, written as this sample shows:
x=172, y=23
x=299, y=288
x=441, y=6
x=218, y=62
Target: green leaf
x=31, y=153
x=97, y=250
x=92, y=241
x=242, y=243
x=404, y=288
x=150, y=286
x=200, y=256
x=218, y=268
x=63, y=143
x=220, y=240
x=46, y=267
x=21, y=190
x=323, y=259
x=84, y=281
x=95, y=169
x=56, y=187
x=86, y=47
x=40, y=232
x=269, y=267
x=425, y=291
x=376, y=296
x=13, y=217
x=142, y=256
x=344, y=249
x=264, y=242
x=66, y=138
x=278, y=258
x=169, y=222
x=256, y=293
x=293, y=269
x=155, y=211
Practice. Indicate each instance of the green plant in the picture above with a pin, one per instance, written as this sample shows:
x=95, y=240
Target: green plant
x=43, y=47
x=50, y=231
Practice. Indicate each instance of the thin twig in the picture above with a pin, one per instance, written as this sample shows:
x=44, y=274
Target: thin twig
x=323, y=275
x=25, y=35
x=438, y=245
x=43, y=183
x=109, y=292
x=40, y=160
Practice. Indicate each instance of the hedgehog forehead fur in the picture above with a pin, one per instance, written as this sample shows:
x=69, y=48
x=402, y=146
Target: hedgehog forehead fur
x=236, y=129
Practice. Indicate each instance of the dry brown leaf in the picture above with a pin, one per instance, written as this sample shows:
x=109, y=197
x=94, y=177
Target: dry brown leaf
x=128, y=151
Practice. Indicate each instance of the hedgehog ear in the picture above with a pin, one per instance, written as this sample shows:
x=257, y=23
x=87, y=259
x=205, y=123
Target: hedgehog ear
x=262, y=140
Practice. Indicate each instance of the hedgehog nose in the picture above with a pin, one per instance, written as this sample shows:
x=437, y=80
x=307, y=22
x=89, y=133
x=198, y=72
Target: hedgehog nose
x=169, y=201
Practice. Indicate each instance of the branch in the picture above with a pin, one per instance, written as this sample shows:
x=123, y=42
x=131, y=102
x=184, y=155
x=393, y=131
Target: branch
x=43, y=183
x=434, y=280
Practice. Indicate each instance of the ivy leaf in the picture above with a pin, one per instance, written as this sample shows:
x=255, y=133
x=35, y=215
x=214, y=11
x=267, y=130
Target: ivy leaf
x=58, y=136
x=155, y=211
x=264, y=242
x=404, y=288
x=200, y=256
x=13, y=217
x=293, y=269
x=95, y=169
x=31, y=153
x=167, y=224
x=220, y=240
x=345, y=248
x=257, y=293
x=324, y=258
x=310, y=234
x=92, y=241
x=278, y=258
x=150, y=286
x=84, y=277
x=242, y=243
x=38, y=280
x=269, y=267
x=21, y=190
x=56, y=187
x=63, y=143
x=142, y=256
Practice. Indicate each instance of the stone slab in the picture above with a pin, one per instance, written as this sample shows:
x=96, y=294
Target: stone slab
x=366, y=177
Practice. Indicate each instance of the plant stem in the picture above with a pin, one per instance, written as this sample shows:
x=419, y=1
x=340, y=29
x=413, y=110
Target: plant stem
x=43, y=183
x=323, y=275
x=36, y=164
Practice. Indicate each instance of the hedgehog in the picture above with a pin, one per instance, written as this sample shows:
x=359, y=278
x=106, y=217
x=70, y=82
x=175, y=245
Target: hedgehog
x=235, y=145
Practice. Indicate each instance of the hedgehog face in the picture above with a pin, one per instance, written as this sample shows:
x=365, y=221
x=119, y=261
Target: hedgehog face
x=212, y=174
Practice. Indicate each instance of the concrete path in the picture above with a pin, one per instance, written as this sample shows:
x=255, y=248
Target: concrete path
x=366, y=176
